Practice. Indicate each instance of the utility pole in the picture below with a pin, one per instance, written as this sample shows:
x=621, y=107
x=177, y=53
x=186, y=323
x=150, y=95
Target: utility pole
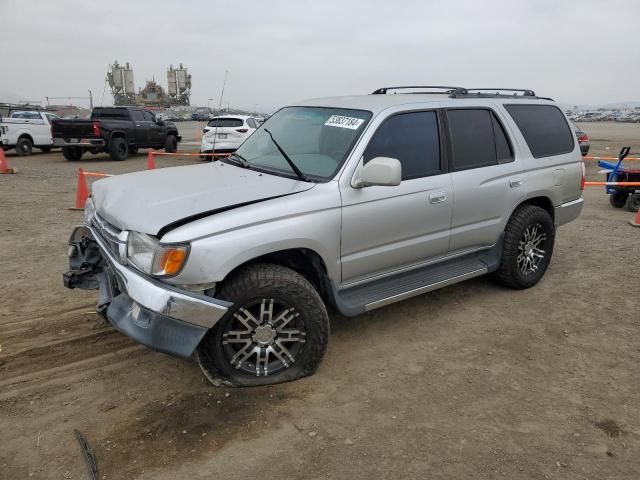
x=90, y=101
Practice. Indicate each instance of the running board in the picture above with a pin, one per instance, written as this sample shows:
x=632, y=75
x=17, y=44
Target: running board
x=384, y=291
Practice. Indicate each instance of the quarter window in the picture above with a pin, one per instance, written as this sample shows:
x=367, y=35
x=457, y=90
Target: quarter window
x=413, y=139
x=544, y=128
x=477, y=139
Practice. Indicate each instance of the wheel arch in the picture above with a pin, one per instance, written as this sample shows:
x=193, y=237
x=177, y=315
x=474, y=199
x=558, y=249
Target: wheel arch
x=541, y=201
x=305, y=261
x=27, y=136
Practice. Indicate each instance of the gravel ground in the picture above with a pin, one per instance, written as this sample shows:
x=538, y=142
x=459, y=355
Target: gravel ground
x=472, y=381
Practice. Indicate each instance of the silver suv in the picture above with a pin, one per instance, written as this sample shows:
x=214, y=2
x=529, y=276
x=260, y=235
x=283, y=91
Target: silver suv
x=346, y=203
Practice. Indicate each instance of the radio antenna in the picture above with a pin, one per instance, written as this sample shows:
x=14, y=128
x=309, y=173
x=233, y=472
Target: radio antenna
x=215, y=135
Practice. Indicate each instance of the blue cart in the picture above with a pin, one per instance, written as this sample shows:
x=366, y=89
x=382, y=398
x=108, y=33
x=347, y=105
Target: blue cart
x=621, y=196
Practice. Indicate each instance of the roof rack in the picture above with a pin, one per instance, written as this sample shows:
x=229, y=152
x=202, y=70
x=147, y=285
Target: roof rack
x=459, y=92
x=498, y=93
x=447, y=89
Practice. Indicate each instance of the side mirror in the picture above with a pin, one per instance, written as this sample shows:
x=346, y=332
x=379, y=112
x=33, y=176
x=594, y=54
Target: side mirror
x=382, y=171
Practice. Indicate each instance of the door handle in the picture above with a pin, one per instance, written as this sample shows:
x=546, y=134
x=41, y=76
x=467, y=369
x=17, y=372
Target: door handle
x=437, y=197
x=515, y=182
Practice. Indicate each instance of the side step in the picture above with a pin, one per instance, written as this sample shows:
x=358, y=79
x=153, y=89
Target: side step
x=378, y=293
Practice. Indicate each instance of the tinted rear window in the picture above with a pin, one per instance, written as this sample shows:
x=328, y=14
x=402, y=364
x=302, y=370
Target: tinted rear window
x=225, y=122
x=544, y=128
x=117, y=113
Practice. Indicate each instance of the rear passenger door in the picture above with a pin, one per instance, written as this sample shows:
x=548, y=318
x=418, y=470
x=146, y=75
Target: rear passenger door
x=388, y=228
x=487, y=176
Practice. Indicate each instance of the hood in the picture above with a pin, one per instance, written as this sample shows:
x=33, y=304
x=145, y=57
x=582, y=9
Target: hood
x=149, y=200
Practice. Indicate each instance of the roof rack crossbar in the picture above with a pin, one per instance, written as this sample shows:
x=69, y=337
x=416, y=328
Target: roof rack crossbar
x=448, y=89
x=526, y=92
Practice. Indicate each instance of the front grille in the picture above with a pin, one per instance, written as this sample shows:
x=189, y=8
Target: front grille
x=111, y=236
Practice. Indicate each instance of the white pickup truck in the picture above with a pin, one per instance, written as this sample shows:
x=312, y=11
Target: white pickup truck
x=24, y=130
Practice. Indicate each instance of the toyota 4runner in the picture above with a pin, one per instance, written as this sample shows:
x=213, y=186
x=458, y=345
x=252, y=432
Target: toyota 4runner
x=346, y=203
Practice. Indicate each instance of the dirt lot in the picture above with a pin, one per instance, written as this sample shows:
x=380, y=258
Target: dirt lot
x=470, y=382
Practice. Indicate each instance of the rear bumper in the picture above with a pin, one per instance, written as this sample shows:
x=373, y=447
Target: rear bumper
x=157, y=315
x=84, y=143
x=206, y=146
x=568, y=212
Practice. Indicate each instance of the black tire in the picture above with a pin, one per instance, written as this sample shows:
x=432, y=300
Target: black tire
x=24, y=147
x=171, y=144
x=72, y=154
x=618, y=199
x=633, y=202
x=264, y=286
x=45, y=149
x=522, y=265
x=118, y=149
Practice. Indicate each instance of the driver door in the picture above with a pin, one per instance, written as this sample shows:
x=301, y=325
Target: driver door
x=390, y=228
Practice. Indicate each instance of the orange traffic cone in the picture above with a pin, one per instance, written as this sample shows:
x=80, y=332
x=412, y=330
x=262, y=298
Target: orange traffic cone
x=636, y=222
x=4, y=166
x=82, y=191
x=151, y=164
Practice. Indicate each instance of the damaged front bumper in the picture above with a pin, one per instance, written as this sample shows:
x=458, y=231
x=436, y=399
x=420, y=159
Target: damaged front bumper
x=155, y=314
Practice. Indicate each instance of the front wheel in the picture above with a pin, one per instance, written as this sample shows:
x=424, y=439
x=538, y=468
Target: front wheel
x=276, y=331
x=527, y=247
x=633, y=202
x=171, y=144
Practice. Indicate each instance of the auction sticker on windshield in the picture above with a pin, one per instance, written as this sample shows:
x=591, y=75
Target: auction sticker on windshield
x=344, y=122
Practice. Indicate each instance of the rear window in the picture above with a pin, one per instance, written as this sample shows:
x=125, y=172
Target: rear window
x=544, y=128
x=26, y=115
x=117, y=113
x=225, y=122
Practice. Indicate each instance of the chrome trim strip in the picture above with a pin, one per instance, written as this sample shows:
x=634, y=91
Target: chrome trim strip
x=164, y=299
x=425, y=289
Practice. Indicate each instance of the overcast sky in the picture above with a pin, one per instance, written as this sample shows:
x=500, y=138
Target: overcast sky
x=278, y=52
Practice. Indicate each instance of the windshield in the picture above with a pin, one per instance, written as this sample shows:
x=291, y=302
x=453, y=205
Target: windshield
x=317, y=140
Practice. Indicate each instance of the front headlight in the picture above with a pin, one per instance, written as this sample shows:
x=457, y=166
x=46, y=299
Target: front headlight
x=146, y=253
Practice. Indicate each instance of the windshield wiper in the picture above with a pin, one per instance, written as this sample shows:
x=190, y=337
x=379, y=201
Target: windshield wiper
x=243, y=161
x=293, y=166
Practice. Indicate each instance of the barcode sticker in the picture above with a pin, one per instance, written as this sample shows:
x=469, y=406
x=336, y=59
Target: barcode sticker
x=344, y=122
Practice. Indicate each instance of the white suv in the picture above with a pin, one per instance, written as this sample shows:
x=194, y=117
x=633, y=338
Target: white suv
x=226, y=133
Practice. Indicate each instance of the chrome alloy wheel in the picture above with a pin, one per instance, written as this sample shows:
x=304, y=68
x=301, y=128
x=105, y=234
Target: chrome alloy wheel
x=263, y=337
x=531, y=251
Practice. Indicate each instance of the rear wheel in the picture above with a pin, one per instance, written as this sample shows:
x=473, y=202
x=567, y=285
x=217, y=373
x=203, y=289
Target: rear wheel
x=118, y=149
x=527, y=247
x=618, y=199
x=633, y=202
x=276, y=331
x=171, y=144
x=24, y=146
x=72, y=153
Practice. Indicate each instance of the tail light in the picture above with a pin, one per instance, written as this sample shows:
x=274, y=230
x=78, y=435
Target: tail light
x=242, y=130
x=584, y=172
x=583, y=138
x=95, y=129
